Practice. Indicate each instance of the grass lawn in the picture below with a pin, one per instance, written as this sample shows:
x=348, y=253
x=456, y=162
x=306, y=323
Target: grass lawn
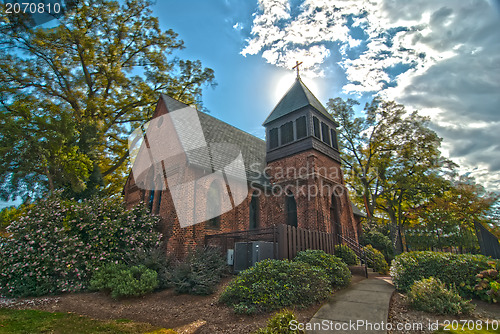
x=32, y=321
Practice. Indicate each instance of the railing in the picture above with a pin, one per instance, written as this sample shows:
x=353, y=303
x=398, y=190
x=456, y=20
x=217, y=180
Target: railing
x=358, y=250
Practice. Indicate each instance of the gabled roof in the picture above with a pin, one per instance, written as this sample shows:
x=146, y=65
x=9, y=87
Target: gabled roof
x=297, y=97
x=215, y=131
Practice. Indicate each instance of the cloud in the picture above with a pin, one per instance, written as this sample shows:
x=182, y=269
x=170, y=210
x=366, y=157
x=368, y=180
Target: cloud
x=441, y=57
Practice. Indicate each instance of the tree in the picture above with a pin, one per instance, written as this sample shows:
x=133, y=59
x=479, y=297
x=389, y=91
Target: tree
x=446, y=219
x=71, y=94
x=390, y=156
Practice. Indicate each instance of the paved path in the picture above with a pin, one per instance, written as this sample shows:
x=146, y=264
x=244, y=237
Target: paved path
x=360, y=308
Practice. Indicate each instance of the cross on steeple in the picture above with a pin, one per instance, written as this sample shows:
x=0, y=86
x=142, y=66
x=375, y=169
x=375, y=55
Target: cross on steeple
x=297, y=67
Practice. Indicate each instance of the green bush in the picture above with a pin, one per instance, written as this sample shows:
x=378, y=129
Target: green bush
x=488, y=284
x=155, y=259
x=337, y=271
x=431, y=295
x=346, y=254
x=451, y=269
x=55, y=244
x=379, y=241
x=376, y=260
x=280, y=324
x=273, y=284
x=124, y=281
x=200, y=273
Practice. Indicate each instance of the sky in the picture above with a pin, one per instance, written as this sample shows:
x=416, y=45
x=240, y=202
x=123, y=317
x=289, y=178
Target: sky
x=441, y=57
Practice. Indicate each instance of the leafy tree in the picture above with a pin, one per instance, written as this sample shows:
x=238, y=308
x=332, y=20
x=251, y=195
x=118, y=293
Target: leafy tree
x=71, y=94
x=447, y=220
x=391, y=157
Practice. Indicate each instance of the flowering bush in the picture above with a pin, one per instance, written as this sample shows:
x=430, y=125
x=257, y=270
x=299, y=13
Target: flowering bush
x=488, y=284
x=56, y=244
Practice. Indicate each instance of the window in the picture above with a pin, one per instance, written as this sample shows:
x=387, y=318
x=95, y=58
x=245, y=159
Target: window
x=300, y=124
x=335, y=143
x=291, y=210
x=316, y=127
x=151, y=199
x=286, y=133
x=254, y=212
x=325, y=133
x=158, y=203
x=273, y=138
x=213, y=206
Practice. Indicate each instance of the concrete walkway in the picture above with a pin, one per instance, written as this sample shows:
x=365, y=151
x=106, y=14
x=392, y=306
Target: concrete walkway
x=361, y=308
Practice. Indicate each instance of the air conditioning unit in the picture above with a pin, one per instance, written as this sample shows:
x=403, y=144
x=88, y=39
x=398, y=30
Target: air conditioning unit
x=246, y=254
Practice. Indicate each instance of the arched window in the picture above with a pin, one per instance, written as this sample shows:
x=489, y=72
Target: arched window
x=291, y=210
x=254, y=212
x=158, y=202
x=335, y=217
x=213, y=205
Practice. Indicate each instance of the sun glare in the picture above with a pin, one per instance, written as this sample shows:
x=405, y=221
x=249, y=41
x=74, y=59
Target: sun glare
x=286, y=81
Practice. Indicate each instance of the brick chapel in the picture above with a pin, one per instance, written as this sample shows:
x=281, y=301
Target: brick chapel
x=294, y=177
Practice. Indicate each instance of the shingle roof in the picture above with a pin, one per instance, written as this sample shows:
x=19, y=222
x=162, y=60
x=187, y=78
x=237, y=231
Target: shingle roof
x=297, y=97
x=216, y=132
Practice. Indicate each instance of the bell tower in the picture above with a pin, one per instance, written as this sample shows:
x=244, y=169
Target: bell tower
x=299, y=122
x=303, y=160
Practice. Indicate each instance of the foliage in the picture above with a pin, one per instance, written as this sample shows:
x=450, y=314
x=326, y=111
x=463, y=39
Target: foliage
x=34, y=321
x=389, y=156
x=452, y=269
x=378, y=241
x=71, y=94
x=124, y=281
x=8, y=215
x=431, y=295
x=488, y=284
x=447, y=221
x=280, y=324
x=200, y=273
x=346, y=254
x=376, y=260
x=56, y=244
x=274, y=284
x=338, y=272
x=155, y=259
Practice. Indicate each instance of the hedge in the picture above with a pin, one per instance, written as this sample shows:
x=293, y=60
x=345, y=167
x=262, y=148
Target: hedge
x=452, y=269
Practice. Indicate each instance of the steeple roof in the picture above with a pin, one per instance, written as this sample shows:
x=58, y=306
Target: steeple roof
x=297, y=97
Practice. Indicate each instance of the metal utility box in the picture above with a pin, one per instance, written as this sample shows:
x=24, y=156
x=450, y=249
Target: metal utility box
x=246, y=254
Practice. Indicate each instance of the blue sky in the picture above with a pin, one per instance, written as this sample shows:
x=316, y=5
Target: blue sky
x=439, y=57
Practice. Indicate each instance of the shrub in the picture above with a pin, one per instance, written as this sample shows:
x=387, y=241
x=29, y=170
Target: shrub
x=376, y=260
x=200, y=273
x=124, y=281
x=280, y=324
x=154, y=259
x=273, y=284
x=488, y=284
x=379, y=241
x=337, y=271
x=431, y=295
x=451, y=269
x=346, y=254
x=55, y=244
